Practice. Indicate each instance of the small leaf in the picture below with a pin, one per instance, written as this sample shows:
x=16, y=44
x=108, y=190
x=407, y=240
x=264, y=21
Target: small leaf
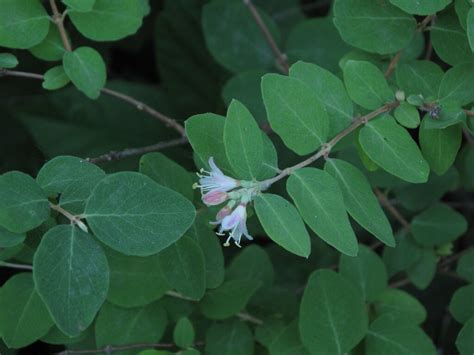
x=366, y=85
x=456, y=84
x=392, y=148
x=438, y=225
x=359, y=23
x=407, y=115
x=23, y=23
x=423, y=271
x=283, y=224
x=387, y=335
x=320, y=202
x=332, y=318
x=108, y=20
x=123, y=326
x=465, y=339
x=461, y=305
x=231, y=337
x=465, y=267
x=51, y=48
x=303, y=128
x=359, y=199
x=73, y=287
x=134, y=215
x=24, y=317
x=55, y=78
x=183, y=266
x=367, y=271
x=288, y=341
x=403, y=256
x=243, y=142
x=8, y=61
x=23, y=204
x=400, y=305
x=421, y=8
x=183, y=333
x=86, y=69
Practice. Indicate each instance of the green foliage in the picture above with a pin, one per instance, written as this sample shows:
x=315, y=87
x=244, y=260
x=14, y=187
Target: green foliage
x=183, y=333
x=55, y=78
x=8, y=61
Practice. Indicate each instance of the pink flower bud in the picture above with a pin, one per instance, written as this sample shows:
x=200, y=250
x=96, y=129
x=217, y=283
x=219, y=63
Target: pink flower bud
x=213, y=198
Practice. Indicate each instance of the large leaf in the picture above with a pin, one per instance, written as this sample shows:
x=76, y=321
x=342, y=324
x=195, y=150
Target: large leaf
x=392, y=148
x=333, y=318
x=135, y=216
x=23, y=23
x=320, y=202
x=72, y=277
x=359, y=199
x=373, y=25
x=24, y=317
x=295, y=113
x=23, y=204
x=283, y=224
x=243, y=142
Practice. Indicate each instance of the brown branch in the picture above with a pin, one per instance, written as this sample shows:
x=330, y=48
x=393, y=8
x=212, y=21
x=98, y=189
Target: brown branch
x=326, y=148
x=139, y=105
x=58, y=19
x=390, y=208
x=468, y=136
x=393, y=64
x=281, y=58
x=117, y=155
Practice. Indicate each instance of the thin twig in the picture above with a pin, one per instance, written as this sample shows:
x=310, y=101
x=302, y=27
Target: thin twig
x=16, y=266
x=400, y=283
x=76, y=220
x=117, y=155
x=326, y=148
x=281, y=58
x=58, y=19
x=390, y=208
x=139, y=105
x=468, y=136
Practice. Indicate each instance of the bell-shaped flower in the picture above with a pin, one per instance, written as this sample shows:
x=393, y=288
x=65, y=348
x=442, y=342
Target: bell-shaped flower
x=214, y=197
x=215, y=180
x=223, y=212
x=236, y=224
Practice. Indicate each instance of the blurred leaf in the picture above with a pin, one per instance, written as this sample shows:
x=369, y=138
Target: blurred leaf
x=183, y=333
x=232, y=337
x=461, y=306
x=400, y=305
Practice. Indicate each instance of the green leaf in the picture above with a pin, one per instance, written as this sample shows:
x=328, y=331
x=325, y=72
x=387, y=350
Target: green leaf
x=51, y=48
x=80, y=5
x=9, y=239
x=135, y=281
x=288, y=341
x=302, y=127
x=392, y=148
x=461, y=305
x=243, y=142
x=330, y=49
x=8, y=61
x=109, y=20
x=359, y=199
x=403, y=256
x=183, y=333
x=421, y=8
x=366, y=271
x=423, y=271
x=211, y=247
x=283, y=224
x=456, y=84
x=183, y=266
x=438, y=225
x=465, y=339
x=462, y=8
x=23, y=23
x=206, y=135
x=251, y=264
x=440, y=146
x=234, y=38
x=55, y=78
x=231, y=337
x=24, y=317
x=419, y=77
x=228, y=299
x=320, y=202
x=123, y=326
x=86, y=69
x=373, y=26
x=333, y=318
x=23, y=204
x=451, y=113
x=330, y=92
x=57, y=337
x=449, y=39
x=73, y=287
x=470, y=28
x=168, y=173
x=387, y=335
x=366, y=85
x=465, y=267
x=134, y=215
x=400, y=305
x=407, y=115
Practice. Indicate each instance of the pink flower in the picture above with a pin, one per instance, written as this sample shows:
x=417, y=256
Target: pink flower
x=236, y=224
x=223, y=212
x=214, y=197
x=216, y=180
